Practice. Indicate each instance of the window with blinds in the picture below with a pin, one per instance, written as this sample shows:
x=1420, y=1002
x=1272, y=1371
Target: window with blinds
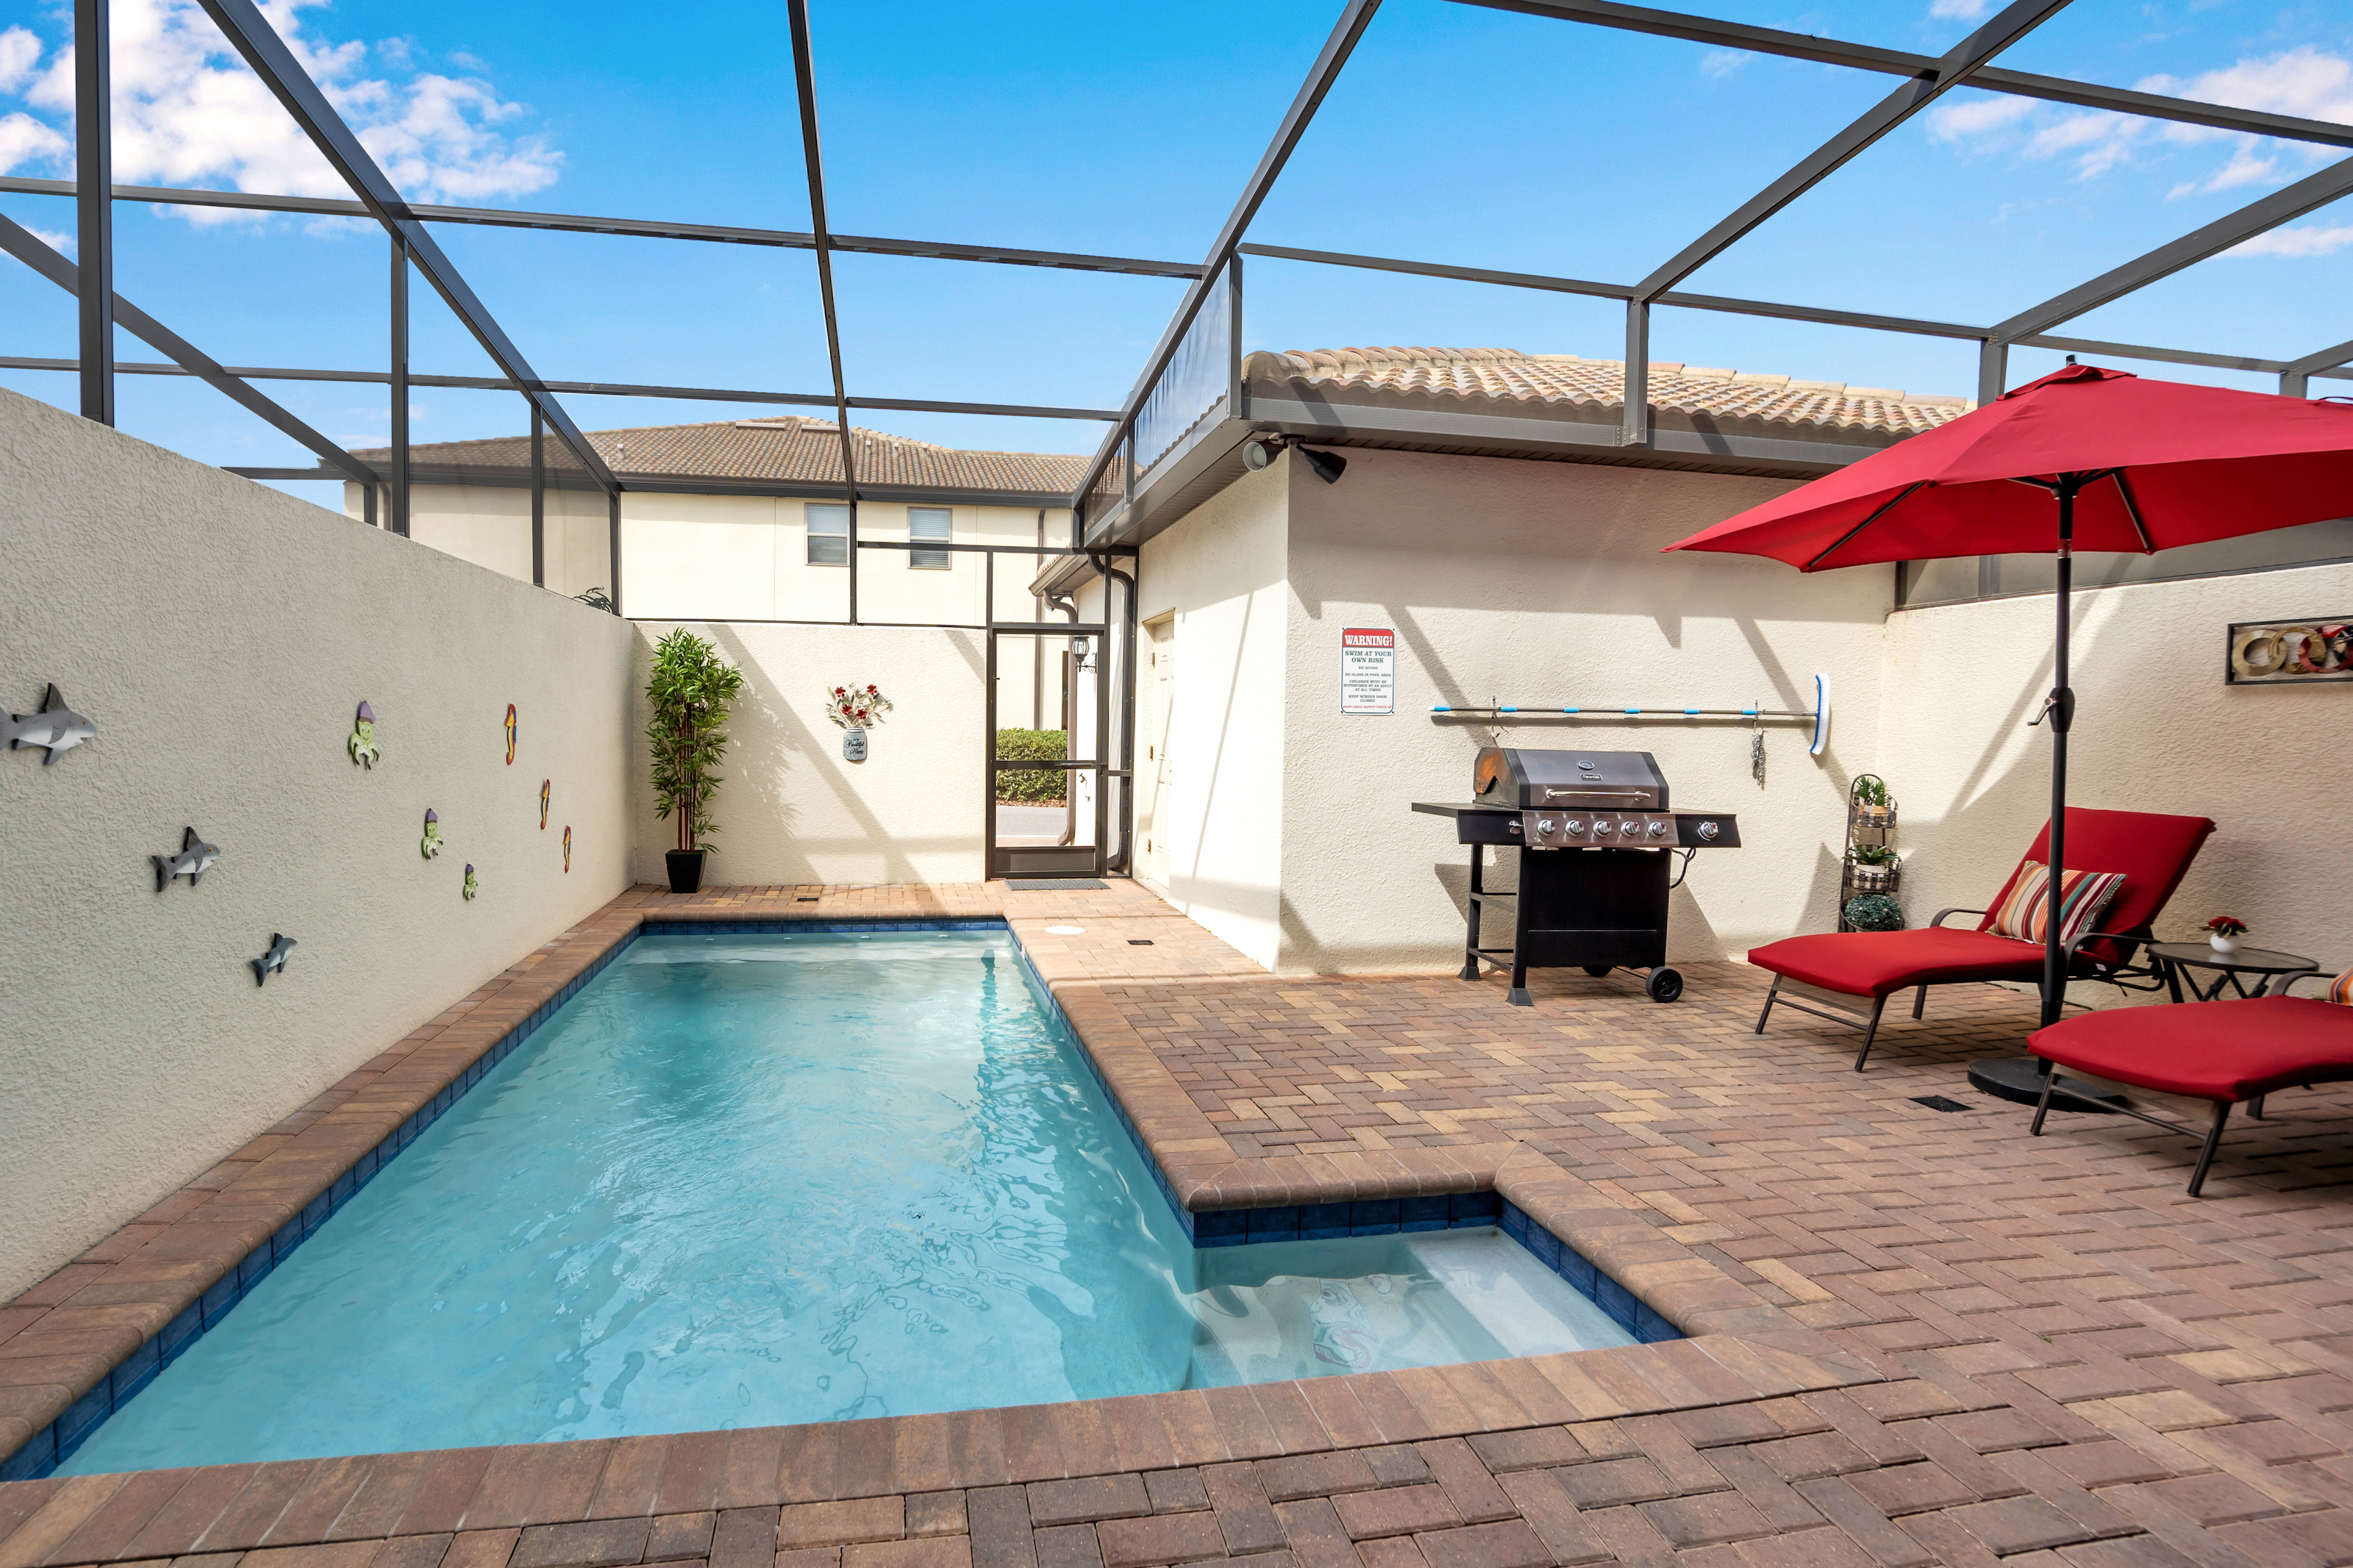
x=828, y=534
x=929, y=522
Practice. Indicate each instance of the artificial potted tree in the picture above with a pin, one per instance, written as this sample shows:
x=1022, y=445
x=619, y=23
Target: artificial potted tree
x=689, y=691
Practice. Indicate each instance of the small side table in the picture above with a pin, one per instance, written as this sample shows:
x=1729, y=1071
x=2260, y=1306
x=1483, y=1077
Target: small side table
x=2177, y=956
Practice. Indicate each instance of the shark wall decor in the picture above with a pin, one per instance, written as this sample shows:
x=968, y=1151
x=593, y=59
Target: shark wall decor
x=543, y=786
x=430, y=844
x=195, y=857
x=56, y=726
x=280, y=944
x=361, y=744
x=510, y=734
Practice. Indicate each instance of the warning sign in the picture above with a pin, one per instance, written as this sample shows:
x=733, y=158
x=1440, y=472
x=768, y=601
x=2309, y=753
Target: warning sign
x=1367, y=670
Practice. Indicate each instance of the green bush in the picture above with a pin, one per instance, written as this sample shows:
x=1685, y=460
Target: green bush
x=1044, y=785
x=1874, y=912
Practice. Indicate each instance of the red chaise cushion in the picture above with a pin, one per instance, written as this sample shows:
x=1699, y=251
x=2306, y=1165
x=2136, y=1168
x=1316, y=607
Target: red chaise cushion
x=2212, y=1050
x=1876, y=962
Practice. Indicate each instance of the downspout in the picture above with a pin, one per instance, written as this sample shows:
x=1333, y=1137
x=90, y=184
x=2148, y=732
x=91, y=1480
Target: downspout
x=1064, y=603
x=1037, y=648
x=1123, y=861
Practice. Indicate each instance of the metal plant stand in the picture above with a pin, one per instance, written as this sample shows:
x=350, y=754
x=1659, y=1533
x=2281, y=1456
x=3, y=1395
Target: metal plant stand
x=1868, y=827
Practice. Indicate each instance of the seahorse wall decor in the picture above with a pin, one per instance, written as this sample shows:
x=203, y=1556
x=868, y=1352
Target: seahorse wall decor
x=360, y=742
x=430, y=844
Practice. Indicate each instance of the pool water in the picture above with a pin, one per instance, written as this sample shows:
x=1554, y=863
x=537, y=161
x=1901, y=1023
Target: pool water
x=744, y=1181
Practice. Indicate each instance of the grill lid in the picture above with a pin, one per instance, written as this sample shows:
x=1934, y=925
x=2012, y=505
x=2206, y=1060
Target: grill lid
x=1532, y=780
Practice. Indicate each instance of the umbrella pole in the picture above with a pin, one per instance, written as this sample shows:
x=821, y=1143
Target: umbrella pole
x=2063, y=716
x=2026, y=1079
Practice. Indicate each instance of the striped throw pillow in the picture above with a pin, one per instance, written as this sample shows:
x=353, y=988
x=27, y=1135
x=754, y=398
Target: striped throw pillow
x=2025, y=913
x=2340, y=989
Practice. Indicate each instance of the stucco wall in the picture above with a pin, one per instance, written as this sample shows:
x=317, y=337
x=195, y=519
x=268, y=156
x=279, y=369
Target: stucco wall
x=489, y=525
x=2155, y=730
x=1543, y=582
x=220, y=636
x=1221, y=571
x=791, y=810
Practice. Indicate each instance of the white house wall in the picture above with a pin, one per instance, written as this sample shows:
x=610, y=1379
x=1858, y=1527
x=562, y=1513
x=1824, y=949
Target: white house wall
x=1543, y=583
x=221, y=636
x=2156, y=728
x=1221, y=571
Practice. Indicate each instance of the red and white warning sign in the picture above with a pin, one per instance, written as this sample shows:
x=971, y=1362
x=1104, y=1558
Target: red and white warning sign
x=1367, y=670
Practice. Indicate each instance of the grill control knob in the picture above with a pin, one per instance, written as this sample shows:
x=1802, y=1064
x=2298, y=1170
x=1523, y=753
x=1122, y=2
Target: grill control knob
x=1708, y=831
x=1574, y=827
x=1658, y=830
x=1546, y=826
x=1630, y=827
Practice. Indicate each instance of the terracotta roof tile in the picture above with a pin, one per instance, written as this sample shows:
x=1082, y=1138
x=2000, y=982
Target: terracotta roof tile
x=1509, y=375
x=783, y=450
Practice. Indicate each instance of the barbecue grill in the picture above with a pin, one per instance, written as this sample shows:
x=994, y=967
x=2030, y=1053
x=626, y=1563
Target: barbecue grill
x=1596, y=842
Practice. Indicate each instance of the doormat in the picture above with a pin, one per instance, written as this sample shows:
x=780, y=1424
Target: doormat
x=1056, y=884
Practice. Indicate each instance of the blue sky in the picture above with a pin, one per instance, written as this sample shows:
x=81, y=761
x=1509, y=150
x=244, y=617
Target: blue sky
x=1456, y=134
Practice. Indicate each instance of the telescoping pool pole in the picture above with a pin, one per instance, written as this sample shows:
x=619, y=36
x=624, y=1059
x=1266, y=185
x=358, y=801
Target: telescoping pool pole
x=1820, y=717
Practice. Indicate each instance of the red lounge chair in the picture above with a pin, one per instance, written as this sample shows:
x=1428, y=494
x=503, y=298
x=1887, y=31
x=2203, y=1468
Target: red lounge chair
x=2222, y=1051
x=2152, y=851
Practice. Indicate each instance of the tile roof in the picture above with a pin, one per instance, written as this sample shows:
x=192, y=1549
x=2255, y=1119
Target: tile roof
x=1678, y=392
x=791, y=450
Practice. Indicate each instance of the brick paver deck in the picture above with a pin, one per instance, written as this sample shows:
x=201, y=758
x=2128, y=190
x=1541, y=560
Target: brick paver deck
x=1922, y=1337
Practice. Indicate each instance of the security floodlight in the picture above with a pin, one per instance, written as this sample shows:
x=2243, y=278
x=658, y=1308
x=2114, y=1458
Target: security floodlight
x=1261, y=454
x=1327, y=467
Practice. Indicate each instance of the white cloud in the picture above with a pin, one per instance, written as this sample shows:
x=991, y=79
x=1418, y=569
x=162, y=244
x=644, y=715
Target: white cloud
x=2303, y=81
x=188, y=112
x=64, y=242
x=1960, y=10
x=1717, y=64
x=25, y=139
x=2317, y=240
x=18, y=52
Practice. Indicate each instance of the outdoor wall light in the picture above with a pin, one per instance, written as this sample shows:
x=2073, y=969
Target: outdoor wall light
x=1261, y=452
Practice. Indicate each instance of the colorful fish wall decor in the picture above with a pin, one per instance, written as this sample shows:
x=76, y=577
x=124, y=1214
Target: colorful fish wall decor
x=543, y=786
x=510, y=734
x=360, y=742
x=568, y=851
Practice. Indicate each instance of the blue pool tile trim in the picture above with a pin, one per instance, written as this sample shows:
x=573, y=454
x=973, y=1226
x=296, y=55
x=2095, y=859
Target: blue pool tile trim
x=56, y=1442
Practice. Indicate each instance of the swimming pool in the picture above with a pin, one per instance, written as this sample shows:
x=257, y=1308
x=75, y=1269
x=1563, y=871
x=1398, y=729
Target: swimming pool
x=749, y=1180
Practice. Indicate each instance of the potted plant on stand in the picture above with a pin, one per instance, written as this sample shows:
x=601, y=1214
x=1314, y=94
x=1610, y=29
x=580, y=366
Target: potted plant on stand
x=689, y=691
x=2223, y=933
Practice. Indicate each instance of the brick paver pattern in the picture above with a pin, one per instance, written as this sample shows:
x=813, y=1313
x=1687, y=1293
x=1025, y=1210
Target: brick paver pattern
x=2038, y=1352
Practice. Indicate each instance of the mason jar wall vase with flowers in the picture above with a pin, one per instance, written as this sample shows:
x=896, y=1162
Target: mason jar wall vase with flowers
x=2223, y=933
x=689, y=691
x=855, y=709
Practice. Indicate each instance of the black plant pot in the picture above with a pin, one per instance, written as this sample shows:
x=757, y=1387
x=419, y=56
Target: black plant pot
x=685, y=871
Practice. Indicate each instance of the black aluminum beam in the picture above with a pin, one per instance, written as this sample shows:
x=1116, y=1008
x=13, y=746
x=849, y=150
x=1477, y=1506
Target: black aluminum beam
x=1811, y=313
x=1955, y=66
x=2294, y=375
x=241, y=22
x=27, y=247
x=813, y=163
x=1355, y=17
x=1903, y=62
x=2284, y=206
x=603, y=389
x=93, y=214
x=640, y=228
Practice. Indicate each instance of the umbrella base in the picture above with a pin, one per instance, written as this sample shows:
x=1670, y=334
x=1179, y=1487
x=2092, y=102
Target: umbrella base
x=2019, y=1079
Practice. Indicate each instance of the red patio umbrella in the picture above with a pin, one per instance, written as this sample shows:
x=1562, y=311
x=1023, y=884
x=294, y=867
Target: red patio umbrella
x=2086, y=456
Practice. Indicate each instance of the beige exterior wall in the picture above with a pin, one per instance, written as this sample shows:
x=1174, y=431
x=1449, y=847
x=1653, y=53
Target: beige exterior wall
x=220, y=634
x=792, y=810
x=745, y=558
x=1221, y=571
x=2156, y=728
x=1543, y=583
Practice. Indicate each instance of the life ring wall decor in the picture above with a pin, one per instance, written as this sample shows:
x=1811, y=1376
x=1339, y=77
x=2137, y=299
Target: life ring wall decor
x=2272, y=653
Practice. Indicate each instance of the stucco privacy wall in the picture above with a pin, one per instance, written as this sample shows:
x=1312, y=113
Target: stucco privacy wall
x=790, y=809
x=1543, y=582
x=1220, y=570
x=2156, y=728
x=220, y=636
